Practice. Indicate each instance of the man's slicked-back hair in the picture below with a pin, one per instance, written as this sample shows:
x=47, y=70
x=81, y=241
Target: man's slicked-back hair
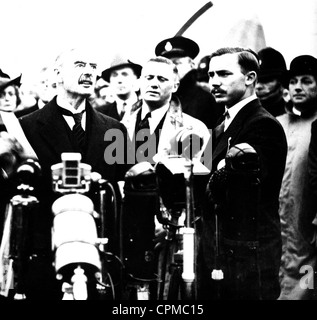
x=167, y=61
x=247, y=58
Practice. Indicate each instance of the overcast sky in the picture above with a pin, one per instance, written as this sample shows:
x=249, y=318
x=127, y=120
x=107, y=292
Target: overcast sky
x=35, y=31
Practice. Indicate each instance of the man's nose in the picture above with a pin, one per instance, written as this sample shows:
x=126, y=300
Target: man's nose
x=154, y=83
x=89, y=69
x=214, y=81
x=298, y=86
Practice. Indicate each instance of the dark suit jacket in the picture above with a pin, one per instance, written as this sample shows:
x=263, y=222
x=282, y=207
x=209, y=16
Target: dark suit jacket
x=49, y=135
x=25, y=111
x=109, y=109
x=255, y=126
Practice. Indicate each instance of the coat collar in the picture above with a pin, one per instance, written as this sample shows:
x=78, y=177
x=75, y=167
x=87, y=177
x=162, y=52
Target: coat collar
x=54, y=130
x=229, y=137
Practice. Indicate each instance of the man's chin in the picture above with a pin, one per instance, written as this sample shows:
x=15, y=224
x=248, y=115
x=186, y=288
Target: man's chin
x=85, y=94
x=220, y=100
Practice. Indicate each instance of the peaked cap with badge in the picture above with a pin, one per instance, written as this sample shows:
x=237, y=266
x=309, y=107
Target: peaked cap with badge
x=177, y=47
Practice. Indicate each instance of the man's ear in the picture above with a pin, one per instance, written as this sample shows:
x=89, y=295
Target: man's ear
x=176, y=85
x=250, y=78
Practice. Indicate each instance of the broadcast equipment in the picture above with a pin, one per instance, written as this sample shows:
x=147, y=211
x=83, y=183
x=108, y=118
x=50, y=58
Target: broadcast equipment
x=178, y=221
x=141, y=204
x=177, y=214
x=79, y=237
x=15, y=245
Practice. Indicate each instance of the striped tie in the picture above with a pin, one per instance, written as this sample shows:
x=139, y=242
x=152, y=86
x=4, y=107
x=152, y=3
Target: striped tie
x=78, y=131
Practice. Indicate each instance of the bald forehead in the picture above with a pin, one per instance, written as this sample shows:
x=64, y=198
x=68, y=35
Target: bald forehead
x=77, y=54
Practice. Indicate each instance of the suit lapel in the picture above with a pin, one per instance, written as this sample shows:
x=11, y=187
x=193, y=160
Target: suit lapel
x=95, y=130
x=113, y=112
x=54, y=129
x=229, y=137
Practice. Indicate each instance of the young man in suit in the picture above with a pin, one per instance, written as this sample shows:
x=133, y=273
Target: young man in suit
x=122, y=76
x=55, y=129
x=250, y=234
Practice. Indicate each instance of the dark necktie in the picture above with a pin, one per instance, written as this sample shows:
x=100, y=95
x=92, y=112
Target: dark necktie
x=78, y=131
x=144, y=124
x=219, y=130
x=141, y=133
x=123, y=110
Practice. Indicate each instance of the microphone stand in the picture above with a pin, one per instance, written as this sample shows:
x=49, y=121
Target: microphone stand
x=188, y=274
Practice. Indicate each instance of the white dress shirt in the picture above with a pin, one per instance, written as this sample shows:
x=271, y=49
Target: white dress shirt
x=156, y=115
x=70, y=120
x=126, y=105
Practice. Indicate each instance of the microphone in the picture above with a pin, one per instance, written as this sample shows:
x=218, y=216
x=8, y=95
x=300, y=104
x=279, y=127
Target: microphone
x=27, y=174
x=189, y=143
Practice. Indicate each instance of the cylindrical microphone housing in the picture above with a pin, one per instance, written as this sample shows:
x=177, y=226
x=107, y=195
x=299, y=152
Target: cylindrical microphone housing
x=74, y=234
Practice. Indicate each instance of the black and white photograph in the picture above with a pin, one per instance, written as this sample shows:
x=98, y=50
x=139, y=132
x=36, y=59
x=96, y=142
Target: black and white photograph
x=160, y=151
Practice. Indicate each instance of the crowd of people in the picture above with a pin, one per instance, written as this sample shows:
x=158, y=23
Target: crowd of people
x=245, y=125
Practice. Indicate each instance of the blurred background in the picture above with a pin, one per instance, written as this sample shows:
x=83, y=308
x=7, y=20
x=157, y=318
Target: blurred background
x=35, y=31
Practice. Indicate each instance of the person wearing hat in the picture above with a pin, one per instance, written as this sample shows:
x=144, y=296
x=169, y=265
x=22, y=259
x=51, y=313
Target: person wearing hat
x=9, y=95
x=270, y=88
x=194, y=99
x=122, y=77
x=296, y=197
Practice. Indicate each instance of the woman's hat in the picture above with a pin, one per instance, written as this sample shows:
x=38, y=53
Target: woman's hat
x=5, y=81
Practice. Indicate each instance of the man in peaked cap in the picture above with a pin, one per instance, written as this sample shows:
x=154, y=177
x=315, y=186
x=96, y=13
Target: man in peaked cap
x=194, y=99
x=270, y=88
x=122, y=77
